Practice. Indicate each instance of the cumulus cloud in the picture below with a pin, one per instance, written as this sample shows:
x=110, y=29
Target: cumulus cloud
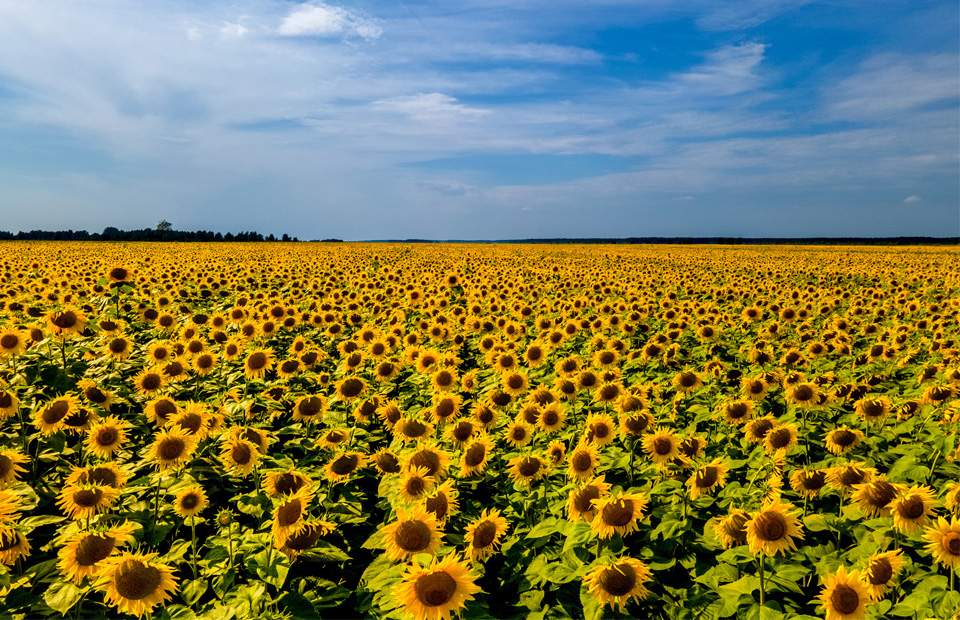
x=912, y=200
x=324, y=20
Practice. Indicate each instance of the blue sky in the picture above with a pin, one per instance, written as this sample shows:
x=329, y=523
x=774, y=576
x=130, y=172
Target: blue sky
x=477, y=119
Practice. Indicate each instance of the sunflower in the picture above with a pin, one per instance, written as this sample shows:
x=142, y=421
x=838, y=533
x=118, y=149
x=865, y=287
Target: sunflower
x=289, y=516
x=737, y=412
x=476, y=456
x=686, y=381
x=84, y=501
x=781, y=437
x=551, y=418
x=756, y=430
x=411, y=534
x=307, y=537
x=12, y=342
x=527, y=469
x=943, y=542
x=10, y=470
x=808, y=483
x=105, y=474
x=707, y=478
x=82, y=555
x=161, y=410
x=310, y=408
x=149, y=381
x=952, y=499
x=461, y=432
x=619, y=582
x=66, y=322
x=257, y=363
x=204, y=363
x=518, y=434
x=239, y=456
x=912, y=508
x=843, y=439
x=107, y=437
x=415, y=483
x=350, y=388
x=412, y=429
x=483, y=534
x=171, y=448
x=119, y=348
x=80, y=420
x=441, y=501
x=845, y=595
x=280, y=483
x=599, y=429
x=731, y=529
x=342, y=465
x=662, y=446
x=874, y=497
x=386, y=461
x=803, y=395
x=134, y=583
x=49, y=418
x=333, y=438
x=873, y=409
x=446, y=407
x=9, y=404
x=190, y=502
x=617, y=513
x=95, y=395
x=193, y=418
x=486, y=416
x=426, y=455
x=773, y=528
x=881, y=570
x=432, y=593
x=583, y=461
x=13, y=545
x=444, y=380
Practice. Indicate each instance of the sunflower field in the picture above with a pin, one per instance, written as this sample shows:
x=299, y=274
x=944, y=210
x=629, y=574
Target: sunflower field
x=431, y=431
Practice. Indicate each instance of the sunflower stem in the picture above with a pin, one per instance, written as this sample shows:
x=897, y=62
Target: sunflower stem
x=26, y=444
x=763, y=591
x=230, y=544
x=193, y=535
x=156, y=498
x=63, y=354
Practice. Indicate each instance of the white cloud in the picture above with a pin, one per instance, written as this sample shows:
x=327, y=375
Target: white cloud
x=728, y=70
x=323, y=20
x=912, y=199
x=234, y=30
x=430, y=107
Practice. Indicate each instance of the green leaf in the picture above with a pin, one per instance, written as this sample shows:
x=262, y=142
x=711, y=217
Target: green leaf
x=193, y=590
x=31, y=523
x=299, y=606
x=62, y=596
x=222, y=583
x=544, y=528
x=177, y=612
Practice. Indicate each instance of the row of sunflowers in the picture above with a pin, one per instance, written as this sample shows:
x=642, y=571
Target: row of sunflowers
x=405, y=431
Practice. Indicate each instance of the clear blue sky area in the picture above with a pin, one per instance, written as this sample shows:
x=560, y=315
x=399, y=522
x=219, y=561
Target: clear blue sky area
x=482, y=119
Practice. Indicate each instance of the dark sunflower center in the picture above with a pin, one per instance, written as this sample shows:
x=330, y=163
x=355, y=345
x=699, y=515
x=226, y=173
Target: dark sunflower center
x=582, y=461
x=334, y=436
x=172, y=448
x=5, y=400
x=9, y=540
x=435, y=589
x=518, y=434
x=87, y=498
x=164, y=408
x=351, y=388
x=9, y=341
x=412, y=536
x=93, y=548
x=345, y=464
x=438, y=505
x=814, y=480
x=104, y=476
x=733, y=527
x=463, y=431
x=844, y=599
x=257, y=361
x=289, y=513
x=6, y=466
x=515, y=382
x=310, y=407
x=662, y=446
x=761, y=428
x=609, y=392
x=952, y=543
x=850, y=477
x=687, y=379
x=881, y=571
x=618, y=580
x=588, y=379
x=388, y=463
x=475, y=454
x=118, y=345
x=637, y=425
x=56, y=412
x=287, y=483
x=755, y=387
x=872, y=408
x=304, y=539
x=706, y=477
x=881, y=493
x=428, y=459
x=779, y=438
x=445, y=408
x=77, y=418
x=802, y=393
x=65, y=320
x=190, y=501
x=601, y=430
x=770, y=526
x=191, y=422
x=94, y=395
x=204, y=362
x=583, y=501
x=618, y=513
x=484, y=534
x=844, y=438
x=529, y=467
x=240, y=453
x=150, y=382
x=737, y=410
x=415, y=486
x=385, y=369
x=118, y=273
x=135, y=580
x=912, y=508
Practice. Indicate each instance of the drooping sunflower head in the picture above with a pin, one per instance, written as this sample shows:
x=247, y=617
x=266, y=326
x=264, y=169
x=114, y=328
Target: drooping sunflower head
x=434, y=459
x=756, y=430
x=84, y=501
x=874, y=497
x=50, y=417
x=686, y=381
x=280, y=483
x=483, y=535
x=239, y=456
x=13, y=545
x=737, y=412
x=386, y=461
x=161, y=410
x=441, y=501
x=10, y=470
x=707, y=478
x=808, y=483
x=105, y=474
x=476, y=455
x=781, y=437
x=845, y=476
x=618, y=583
x=881, y=570
x=82, y=555
x=306, y=537
x=343, y=465
x=289, y=515
x=843, y=439
x=731, y=529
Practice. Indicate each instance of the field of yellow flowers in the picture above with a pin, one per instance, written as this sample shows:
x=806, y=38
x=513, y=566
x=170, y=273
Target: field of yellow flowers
x=425, y=431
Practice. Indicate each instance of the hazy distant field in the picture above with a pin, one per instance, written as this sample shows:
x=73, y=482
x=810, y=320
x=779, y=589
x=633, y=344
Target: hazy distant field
x=351, y=430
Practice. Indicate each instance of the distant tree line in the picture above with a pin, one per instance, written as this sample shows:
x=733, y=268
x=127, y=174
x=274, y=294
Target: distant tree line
x=146, y=234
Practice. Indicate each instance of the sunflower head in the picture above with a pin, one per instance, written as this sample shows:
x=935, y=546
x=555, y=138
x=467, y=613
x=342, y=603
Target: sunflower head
x=190, y=501
x=844, y=595
x=135, y=584
x=881, y=570
x=619, y=582
x=436, y=591
x=411, y=534
x=772, y=530
x=484, y=533
x=618, y=513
